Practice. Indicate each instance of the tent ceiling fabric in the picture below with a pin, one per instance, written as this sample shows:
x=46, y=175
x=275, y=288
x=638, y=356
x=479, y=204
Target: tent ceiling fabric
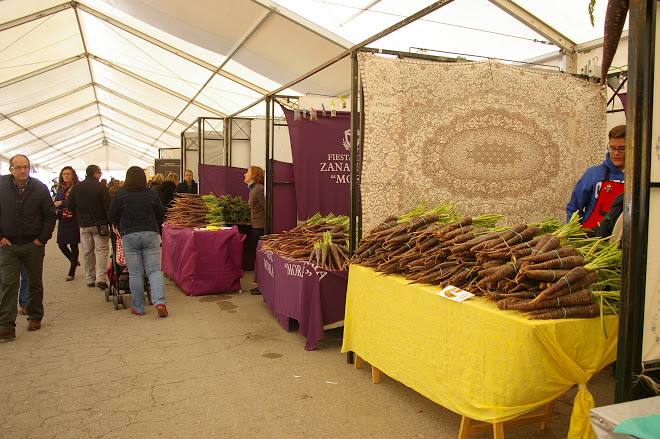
x=136, y=72
x=131, y=75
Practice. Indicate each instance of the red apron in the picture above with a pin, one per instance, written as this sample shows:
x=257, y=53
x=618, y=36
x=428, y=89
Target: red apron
x=609, y=190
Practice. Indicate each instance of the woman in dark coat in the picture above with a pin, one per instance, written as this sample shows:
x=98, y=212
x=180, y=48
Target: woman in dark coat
x=168, y=189
x=254, y=178
x=68, y=231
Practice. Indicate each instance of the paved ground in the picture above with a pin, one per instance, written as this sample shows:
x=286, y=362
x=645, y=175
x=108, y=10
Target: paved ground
x=219, y=366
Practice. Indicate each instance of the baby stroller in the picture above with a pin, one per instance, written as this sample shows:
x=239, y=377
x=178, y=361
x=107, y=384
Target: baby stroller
x=118, y=275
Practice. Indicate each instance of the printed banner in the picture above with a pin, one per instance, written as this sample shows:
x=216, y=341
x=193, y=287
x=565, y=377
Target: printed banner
x=321, y=163
x=222, y=180
x=165, y=166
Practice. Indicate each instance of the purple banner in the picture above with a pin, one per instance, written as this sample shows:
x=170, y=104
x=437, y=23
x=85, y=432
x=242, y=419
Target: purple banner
x=222, y=180
x=321, y=163
x=285, y=215
x=203, y=261
x=297, y=290
x=624, y=102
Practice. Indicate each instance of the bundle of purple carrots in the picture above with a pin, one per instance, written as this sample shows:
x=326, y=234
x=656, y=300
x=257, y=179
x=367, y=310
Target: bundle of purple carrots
x=321, y=240
x=546, y=270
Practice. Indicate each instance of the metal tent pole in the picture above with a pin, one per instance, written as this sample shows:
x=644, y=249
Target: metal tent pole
x=271, y=164
x=354, y=151
x=636, y=197
x=268, y=176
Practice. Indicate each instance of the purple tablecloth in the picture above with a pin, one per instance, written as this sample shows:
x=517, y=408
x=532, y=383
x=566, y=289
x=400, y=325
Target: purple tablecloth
x=203, y=261
x=297, y=290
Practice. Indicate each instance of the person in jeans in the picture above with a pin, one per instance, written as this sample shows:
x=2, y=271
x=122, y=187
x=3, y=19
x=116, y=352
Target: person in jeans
x=254, y=178
x=89, y=201
x=139, y=213
x=68, y=231
x=27, y=220
x=23, y=291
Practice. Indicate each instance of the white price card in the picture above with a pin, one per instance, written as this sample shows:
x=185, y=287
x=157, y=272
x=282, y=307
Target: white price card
x=454, y=293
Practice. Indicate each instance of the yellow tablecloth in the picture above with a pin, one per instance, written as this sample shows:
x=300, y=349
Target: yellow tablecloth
x=472, y=358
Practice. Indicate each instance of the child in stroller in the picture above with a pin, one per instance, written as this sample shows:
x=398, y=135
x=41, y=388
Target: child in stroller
x=118, y=274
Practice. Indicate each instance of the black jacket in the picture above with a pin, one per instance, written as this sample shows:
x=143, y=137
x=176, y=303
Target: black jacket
x=606, y=225
x=90, y=200
x=136, y=211
x=166, y=193
x=183, y=188
x=26, y=218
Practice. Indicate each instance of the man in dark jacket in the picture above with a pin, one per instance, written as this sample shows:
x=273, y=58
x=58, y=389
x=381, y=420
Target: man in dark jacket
x=27, y=220
x=90, y=200
x=188, y=185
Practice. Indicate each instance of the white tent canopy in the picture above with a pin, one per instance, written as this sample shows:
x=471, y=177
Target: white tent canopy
x=116, y=80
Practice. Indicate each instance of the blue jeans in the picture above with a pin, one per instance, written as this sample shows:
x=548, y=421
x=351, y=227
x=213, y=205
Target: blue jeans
x=142, y=254
x=24, y=288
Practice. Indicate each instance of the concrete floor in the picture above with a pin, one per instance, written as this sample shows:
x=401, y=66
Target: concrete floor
x=219, y=366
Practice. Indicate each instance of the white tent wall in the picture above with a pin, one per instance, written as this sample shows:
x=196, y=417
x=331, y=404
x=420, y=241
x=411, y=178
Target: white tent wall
x=214, y=151
x=258, y=143
x=241, y=143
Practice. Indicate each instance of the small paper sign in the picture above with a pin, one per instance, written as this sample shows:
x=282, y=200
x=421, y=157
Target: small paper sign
x=454, y=293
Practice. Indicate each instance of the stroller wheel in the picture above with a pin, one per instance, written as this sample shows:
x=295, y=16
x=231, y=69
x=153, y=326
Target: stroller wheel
x=107, y=293
x=123, y=302
x=148, y=293
x=115, y=302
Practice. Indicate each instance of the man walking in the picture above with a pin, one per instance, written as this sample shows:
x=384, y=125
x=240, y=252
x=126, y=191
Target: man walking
x=90, y=200
x=27, y=220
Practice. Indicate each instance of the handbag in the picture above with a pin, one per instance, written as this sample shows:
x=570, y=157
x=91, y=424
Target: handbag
x=103, y=229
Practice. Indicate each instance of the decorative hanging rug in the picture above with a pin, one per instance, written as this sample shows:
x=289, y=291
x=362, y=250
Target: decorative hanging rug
x=487, y=137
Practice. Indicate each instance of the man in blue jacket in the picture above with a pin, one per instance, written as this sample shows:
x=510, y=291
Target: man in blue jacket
x=599, y=186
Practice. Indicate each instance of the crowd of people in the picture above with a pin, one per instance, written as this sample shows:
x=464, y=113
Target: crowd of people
x=85, y=210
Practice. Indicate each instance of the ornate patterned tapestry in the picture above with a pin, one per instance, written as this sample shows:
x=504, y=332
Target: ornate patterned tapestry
x=488, y=137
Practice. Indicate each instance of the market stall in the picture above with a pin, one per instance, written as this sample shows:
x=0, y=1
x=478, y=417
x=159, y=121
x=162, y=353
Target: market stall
x=472, y=358
x=300, y=291
x=494, y=307
x=199, y=253
x=203, y=261
x=302, y=274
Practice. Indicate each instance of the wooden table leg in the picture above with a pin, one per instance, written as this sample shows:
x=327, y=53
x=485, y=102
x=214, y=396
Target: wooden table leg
x=498, y=430
x=358, y=362
x=375, y=375
x=464, y=432
x=547, y=415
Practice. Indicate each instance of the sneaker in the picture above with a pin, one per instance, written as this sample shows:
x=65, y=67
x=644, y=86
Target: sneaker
x=136, y=312
x=7, y=335
x=34, y=325
x=101, y=285
x=69, y=278
x=91, y=285
x=162, y=310
x=255, y=292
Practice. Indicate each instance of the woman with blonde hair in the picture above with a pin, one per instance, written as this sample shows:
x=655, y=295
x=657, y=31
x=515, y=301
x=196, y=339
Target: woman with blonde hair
x=168, y=189
x=254, y=178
